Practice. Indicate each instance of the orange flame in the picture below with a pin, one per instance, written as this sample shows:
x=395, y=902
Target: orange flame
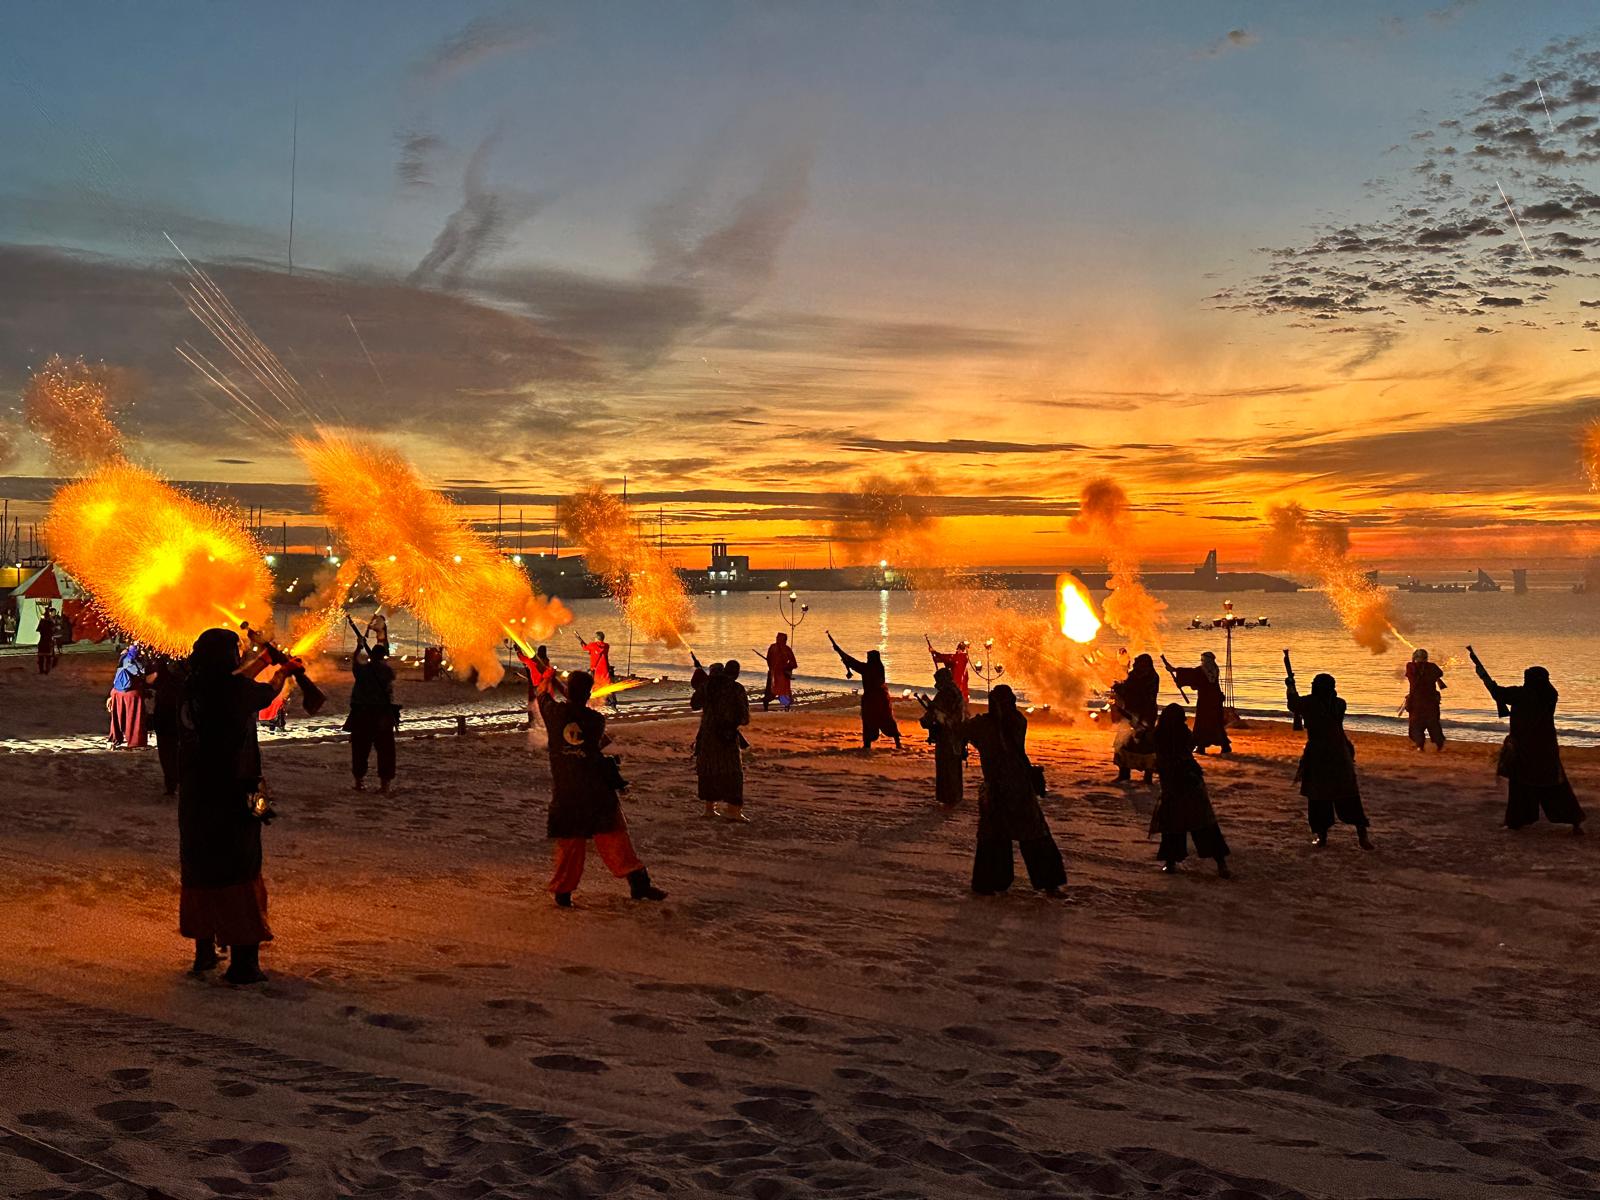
x=637, y=574
x=423, y=553
x=159, y=564
x=1078, y=619
x=621, y=685
x=1298, y=541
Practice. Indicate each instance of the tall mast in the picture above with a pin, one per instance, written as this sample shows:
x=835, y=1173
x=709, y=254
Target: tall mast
x=294, y=163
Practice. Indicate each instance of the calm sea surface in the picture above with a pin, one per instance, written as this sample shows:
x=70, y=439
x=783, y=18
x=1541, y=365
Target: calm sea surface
x=1553, y=628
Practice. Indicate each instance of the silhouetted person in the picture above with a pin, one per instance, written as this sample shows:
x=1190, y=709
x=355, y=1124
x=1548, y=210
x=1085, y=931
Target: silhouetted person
x=945, y=719
x=1136, y=697
x=877, y=709
x=719, y=764
x=781, y=666
x=1210, y=722
x=1424, y=681
x=373, y=715
x=584, y=799
x=1184, y=810
x=1530, y=759
x=166, y=677
x=1008, y=804
x=224, y=898
x=1327, y=771
x=46, y=650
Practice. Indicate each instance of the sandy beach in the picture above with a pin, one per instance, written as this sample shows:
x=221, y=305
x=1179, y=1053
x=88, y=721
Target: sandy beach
x=820, y=1007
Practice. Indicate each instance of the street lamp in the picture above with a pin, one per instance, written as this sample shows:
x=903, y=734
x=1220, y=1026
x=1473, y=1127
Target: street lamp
x=794, y=616
x=988, y=670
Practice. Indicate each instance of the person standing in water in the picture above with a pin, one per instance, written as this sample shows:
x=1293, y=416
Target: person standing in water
x=877, y=709
x=1530, y=758
x=585, y=804
x=1008, y=804
x=1184, y=809
x=1424, y=682
x=1327, y=771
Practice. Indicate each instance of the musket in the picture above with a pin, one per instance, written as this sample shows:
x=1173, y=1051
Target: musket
x=312, y=698
x=1175, y=682
x=1488, y=681
x=848, y=673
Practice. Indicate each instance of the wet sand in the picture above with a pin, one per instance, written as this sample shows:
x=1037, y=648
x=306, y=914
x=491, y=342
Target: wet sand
x=820, y=1008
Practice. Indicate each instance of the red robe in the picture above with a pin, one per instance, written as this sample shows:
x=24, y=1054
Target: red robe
x=781, y=664
x=599, y=662
x=957, y=662
x=538, y=676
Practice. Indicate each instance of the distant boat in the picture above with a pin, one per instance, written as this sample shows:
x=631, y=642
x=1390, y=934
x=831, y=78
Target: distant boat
x=1483, y=583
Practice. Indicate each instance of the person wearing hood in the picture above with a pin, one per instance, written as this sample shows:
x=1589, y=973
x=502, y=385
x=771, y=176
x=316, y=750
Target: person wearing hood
x=373, y=715
x=1424, y=682
x=585, y=804
x=945, y=719
x=1184, y=809
x=877, y=708
x=1327, y=773
x=599, y=652
x=719, y=763
x=1210, y=719
x=1008, y=804
x=541, y=676
x=224, y=897
x=781, y=666
x=959, y=662
x=125, y=704
x=166, y=678
x=1136, y=697
x=1530, y=758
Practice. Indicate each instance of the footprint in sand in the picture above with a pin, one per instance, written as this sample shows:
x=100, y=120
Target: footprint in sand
x=569, y=1062
x=132, y=1078
x=696, y=1079
x=134, y=1116
x=637, y=1020
x=740, y=1048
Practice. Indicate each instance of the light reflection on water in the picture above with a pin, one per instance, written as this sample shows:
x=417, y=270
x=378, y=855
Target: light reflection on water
x=1553, y=628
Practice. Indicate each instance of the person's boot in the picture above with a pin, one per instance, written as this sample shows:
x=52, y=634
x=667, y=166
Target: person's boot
x=1222, y=869
x=205, y=956
x=1124, y=775
x=1363, y=840
x=360, y=784
x=383, y=787
x=711, y=809
x=735, y=812
x=563, y=899
x=641, y=888
x=244, y=965
x=1170, y=868
x=1320, y=840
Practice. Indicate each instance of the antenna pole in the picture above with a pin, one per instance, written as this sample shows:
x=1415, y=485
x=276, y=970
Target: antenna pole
x=294, y=163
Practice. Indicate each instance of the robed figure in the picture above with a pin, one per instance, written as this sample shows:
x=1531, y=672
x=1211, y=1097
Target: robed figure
x=1530, y=758
x=781, y=666
x=718, y=758
x=1136, y=699
x=1008, y=803
x=1184, y=809
x=1210, y=717
x=1424, y=681
x=877, y=709
x=945, y=719
x=1327, y=773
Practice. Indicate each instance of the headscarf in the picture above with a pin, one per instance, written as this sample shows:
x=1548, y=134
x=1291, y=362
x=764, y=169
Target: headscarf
x=579, y=686
x=209, y=686
x=129, y=668
x=731, y=668
x=1324, y=687
x=782, y=638
x=1208, y=664
x=1010, y=723
x=1173, y=738
x=1536, y=686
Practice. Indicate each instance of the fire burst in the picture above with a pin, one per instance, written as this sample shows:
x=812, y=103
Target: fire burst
x=160, y=565
x=424, y=555
x=1297, y=542
x=1076, y=610
x=1105, y=513
x=637, y=574
x=68, y=404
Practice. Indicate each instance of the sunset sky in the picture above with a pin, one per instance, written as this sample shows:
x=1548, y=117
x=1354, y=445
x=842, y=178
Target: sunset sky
x=749, y=254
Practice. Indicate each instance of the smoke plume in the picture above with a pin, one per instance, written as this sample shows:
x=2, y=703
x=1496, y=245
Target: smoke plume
x=884, y=518
x=1105, y=514
x=637, y=575
x=1591, y=454
x=1298, y=542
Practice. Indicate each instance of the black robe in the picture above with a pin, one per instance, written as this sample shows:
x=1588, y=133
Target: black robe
x=945, y=721
x=1327, y=772
x=719, y=766
x=583, y=798
x=219, y=768
x=1184, y=809
x=1210, y=723
x=1530, y=760
x=1008, y=810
